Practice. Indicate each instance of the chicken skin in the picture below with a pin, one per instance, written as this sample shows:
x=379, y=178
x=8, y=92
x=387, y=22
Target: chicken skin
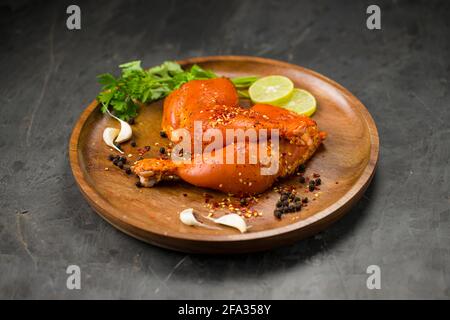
x=214, y=104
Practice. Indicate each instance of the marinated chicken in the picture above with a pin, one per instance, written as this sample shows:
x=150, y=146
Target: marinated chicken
x=215, y=103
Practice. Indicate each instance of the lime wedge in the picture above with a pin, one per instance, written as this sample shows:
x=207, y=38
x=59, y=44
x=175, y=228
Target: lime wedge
x=301, y=102
x=271, y=90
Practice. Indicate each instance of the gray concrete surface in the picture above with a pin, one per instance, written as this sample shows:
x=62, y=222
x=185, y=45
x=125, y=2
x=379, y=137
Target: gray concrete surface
x=401, y=73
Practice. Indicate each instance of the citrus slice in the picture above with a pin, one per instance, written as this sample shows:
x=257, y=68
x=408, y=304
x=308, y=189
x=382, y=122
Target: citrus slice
x=301, y=102
x=271, y=90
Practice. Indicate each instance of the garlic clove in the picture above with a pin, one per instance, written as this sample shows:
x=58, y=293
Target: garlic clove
x=109, y=134
x=232, y=220
x=188, y=218
x=125, y=132
x=125, y=129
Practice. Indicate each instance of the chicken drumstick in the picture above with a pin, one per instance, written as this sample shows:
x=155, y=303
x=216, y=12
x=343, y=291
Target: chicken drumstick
x=215, y=103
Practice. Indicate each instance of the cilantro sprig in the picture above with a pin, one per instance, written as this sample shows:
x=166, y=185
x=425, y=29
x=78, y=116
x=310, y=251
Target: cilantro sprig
x=135, y=85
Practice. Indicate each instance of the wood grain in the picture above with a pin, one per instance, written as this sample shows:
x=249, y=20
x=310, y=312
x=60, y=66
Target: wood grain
x=346, y=163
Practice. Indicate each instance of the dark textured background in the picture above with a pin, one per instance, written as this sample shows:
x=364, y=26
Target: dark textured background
x=401, y=73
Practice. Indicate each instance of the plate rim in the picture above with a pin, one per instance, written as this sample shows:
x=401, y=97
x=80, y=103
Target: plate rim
x=104, y=208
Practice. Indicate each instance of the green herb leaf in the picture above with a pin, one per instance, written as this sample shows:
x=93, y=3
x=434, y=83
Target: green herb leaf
x=128, y=67
x=244, y=82
x=138, y=85
x=105, y=98
x=199, y=73
x=107, y=80
x=243, y=94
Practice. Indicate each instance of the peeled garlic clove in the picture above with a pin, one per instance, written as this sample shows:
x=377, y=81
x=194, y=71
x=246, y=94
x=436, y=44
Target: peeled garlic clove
x=125, y=129
x=109, y=134
x=125, y=132
x=232, y=220
x=187, y=217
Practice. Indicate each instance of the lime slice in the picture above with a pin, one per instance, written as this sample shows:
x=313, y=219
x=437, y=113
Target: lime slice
x=271, y=90
x=301, y=102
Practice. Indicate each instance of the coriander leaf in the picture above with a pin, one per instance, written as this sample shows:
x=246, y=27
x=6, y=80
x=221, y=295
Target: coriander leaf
x=107, y=80
x=130, y=66
x=119, y=105
x=243, y=94
x=244, y=82
x=168, y=68
x=200, y=73
x=137, y=84
x=173, y=67
x=105, y=98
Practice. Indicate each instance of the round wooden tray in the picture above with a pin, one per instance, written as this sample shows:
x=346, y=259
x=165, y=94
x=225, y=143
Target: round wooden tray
x=346, y=163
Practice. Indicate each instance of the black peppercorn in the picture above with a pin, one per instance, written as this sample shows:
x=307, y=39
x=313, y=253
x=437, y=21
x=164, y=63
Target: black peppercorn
x=111, y=157
x=318, y=182
x=128, y=170
x=120, y=164
x=163, y=134
x=301, y=168
x=278, y=213
x=138, y=184
x=305, y=200
x=133, y=143
x=131, y=121
x=162, y=150
x=312, y=185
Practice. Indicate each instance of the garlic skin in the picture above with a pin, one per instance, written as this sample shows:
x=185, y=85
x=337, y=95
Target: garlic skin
x=187, y=217
x=125, y=129
x=232, y=220
x=109, y=134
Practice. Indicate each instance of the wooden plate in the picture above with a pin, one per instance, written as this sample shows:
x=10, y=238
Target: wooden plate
x=346, y=163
